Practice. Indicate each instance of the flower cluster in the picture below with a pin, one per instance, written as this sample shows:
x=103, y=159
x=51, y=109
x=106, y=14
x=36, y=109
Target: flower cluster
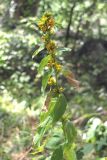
x=46, y=25
x=58, y=90
x=58, y=67
x=52, y=81
x=55, y=65
x=51, y=46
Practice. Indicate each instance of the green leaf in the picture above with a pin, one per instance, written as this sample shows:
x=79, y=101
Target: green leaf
x=37, y=51
x=69, y=153
x=43, y=63
x=44, y=126
x=57, y=154
x=55, y=141
x=59, y=108
x=88, y=148
x=52, y=105
x=64, y=49
x=50, y=108
x=70, y=131
x=45, y=80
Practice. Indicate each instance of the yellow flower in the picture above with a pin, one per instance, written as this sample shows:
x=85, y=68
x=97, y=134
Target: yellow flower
x=52, y=31
x=61, y=89
x=58, y=67
x=50, y=22
x=46, y=22
x=52, y=81
x=44, y=18
x=42, y=23
x=51, y=46
x=51, y=63
x=42, y=26
x=58, y=90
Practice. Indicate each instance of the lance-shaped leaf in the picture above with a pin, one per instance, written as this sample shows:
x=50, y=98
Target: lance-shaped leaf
x=49, y=105
x=59, y=108
x=52, y=104
x=55, y=141
x=43, y=63
x=45, y=80
x=57, y=154
x=70, y=131
x=65, y=49
x=69, y=153
x=44, y=126
x=37, y=51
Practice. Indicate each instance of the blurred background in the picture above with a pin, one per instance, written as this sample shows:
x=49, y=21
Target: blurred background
x=81, y=26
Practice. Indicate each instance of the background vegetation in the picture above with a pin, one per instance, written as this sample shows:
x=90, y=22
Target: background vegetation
x=81, y=27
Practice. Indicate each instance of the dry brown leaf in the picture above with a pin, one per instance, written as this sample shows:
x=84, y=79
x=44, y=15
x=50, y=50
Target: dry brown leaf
x=71, y=79
x=47, y=101
x=73, y=82
x=46, y=104
x=70, y=74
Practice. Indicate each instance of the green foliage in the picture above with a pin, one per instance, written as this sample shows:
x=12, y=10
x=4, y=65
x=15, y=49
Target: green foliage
x=57, y=154
x=97, y=134
x=15, y=67
x=59, y=108
x=42, y=129
x=45, y=80
x=69, y=153
x=37, y=51
x=56, y=140
x=70, y=132
x=43, y=63
x=15, y=130
x=80, y=23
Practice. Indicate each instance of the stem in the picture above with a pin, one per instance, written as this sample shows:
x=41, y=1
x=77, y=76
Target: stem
x=63, y=127
x=56, y=76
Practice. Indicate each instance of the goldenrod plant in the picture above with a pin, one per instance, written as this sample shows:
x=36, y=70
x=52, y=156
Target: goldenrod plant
x=54, y=115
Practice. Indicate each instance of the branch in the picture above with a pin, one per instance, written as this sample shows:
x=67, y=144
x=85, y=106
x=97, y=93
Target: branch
x=69, y=24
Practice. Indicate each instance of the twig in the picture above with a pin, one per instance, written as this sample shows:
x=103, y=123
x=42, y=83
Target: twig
x=26, y=153
x=69, y=24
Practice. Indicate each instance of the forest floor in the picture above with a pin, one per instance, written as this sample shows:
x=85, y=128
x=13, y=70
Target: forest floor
x=17, y=127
